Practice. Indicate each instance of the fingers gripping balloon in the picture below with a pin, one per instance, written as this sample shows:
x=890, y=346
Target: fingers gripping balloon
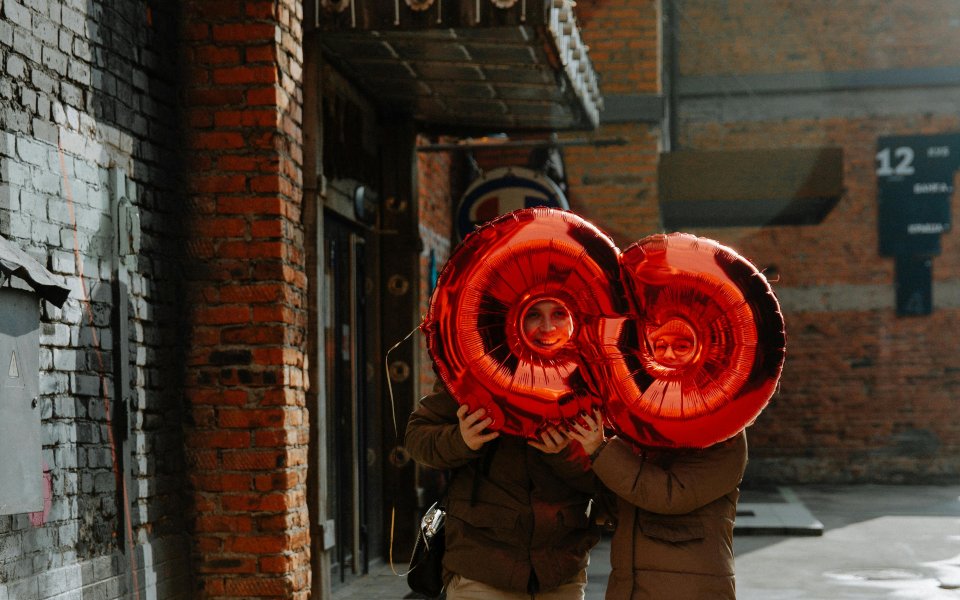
x=702, y=353
x=510, y=311
x=537, y=316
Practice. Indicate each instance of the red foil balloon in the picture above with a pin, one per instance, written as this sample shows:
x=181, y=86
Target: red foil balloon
x=702, y=354
x=510, y=312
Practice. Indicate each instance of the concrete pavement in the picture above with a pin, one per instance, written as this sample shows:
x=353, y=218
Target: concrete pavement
x=878, y=542
x=874, y=542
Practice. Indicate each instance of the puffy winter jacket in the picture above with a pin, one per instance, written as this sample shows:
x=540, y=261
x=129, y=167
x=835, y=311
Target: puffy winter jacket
x=675, y=513
x=517, y=518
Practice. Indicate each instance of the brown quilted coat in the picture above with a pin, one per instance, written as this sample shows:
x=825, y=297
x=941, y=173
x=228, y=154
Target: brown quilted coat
x=529, y=512
x=675, y=513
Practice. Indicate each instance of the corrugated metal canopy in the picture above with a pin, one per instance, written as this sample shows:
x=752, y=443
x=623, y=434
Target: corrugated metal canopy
x=478, y=66
x=16, y=262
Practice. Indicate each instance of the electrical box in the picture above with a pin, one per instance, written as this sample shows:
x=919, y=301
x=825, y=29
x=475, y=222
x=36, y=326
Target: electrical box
x=23, y=282
x=21, y=469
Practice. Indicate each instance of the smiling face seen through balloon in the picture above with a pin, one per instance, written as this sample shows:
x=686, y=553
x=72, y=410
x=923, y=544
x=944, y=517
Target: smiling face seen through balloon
x=674, y=344
x=547, y=325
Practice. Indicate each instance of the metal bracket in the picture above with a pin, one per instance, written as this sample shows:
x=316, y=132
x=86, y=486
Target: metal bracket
x=127, y=224
x=328, y=532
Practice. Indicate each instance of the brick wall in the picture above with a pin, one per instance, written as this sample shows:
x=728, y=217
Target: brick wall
x=87, y=92
x=614, y=186
x=247, y=443
x=623, y=38
x=865, y=395
x=779, y=36
x=439, y=188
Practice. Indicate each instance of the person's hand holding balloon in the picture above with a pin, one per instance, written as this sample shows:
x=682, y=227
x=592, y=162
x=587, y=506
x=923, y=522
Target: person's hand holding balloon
x=589, y=432
x=473, y=425
x=551, y=441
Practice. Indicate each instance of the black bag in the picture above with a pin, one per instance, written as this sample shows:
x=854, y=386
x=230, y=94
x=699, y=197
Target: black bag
x=425, y=575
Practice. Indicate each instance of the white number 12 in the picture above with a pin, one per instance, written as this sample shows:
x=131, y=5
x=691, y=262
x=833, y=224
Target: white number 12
x=904, y=166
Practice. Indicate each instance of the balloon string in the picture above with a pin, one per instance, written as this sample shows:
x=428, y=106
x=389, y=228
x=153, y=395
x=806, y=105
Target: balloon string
x=396, y=433
x=393, y=405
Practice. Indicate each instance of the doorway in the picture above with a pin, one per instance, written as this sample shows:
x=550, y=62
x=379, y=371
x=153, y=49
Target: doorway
x=349, y=422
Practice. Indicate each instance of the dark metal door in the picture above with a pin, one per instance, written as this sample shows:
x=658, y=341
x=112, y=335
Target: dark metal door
x=347, y=422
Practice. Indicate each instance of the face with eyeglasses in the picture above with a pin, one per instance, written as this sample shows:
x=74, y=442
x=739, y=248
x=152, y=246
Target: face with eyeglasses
x=673, y=344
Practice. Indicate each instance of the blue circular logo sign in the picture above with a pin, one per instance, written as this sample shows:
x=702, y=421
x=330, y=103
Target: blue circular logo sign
x=505, y=190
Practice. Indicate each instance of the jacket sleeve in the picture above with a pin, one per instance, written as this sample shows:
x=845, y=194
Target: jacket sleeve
x=693, y=479
x=433, y=434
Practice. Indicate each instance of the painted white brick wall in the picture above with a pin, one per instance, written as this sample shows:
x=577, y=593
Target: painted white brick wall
x=72, y=112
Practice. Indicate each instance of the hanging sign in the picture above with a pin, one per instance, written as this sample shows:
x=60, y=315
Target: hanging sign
x=504, y=190
x=914, y=184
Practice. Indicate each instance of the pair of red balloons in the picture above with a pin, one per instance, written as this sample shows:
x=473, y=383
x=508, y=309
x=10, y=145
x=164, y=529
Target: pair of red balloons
x=679, y=339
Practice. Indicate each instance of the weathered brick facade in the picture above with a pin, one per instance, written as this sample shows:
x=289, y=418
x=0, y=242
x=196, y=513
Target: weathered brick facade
x=88, y=111
x=615, y=186
x=247, y=438
x=858, y=402
x=865, y=395
x=178, y=424
x=438, y=177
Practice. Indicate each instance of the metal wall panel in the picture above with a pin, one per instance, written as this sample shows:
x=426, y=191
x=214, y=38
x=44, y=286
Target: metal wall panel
x=21, y=470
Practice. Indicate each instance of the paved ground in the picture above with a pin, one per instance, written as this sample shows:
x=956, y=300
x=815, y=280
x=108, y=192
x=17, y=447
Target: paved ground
x=811, y=543
x=878, y=542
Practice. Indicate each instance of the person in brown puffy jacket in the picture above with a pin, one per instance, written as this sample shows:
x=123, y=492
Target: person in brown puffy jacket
x=675, y=515
x=518, y=521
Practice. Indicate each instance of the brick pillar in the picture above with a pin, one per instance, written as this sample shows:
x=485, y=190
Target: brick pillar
x=616, y=186
x=247, y=442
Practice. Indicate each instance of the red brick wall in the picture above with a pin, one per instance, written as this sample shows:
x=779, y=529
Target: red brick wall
x=248, y=439
x=624, y=46
x=439, y=188
x=865, y=395
x=844, y=246
x=615, y=186
x=784, y=36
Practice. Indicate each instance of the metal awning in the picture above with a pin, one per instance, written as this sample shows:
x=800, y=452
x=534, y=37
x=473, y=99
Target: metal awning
x=16, y=262
x=484, y=64
x=749, y=188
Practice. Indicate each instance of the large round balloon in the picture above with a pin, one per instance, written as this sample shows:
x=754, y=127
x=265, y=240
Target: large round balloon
x=702, y=353
x=510, y=311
